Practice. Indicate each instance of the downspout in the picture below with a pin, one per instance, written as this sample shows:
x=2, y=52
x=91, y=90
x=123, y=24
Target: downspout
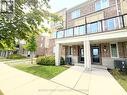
x=118, y=12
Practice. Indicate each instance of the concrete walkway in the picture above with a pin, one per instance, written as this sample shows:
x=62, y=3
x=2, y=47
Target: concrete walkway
x=95, y=82
x=74, y=81
x=16, y=82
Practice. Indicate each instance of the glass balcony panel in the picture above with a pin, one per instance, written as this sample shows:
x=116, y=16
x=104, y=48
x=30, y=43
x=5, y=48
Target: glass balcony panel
x=82, y=30
x=94, y=27
x=69, y=32
x=60, y=34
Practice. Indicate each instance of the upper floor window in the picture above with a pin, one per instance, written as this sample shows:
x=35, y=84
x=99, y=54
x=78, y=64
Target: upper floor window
x=98, y=6
x=104, y=4
x=75, y=14
x=101, y=4
x=94, y=27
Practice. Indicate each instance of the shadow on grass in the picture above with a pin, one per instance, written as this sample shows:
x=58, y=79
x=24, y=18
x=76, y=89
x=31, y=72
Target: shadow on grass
x=1, y=93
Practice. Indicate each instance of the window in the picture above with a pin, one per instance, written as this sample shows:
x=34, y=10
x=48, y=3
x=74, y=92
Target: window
x=110, y=24
x=101, y=4
x=69, y=32
x=114, y=52
x=98, y=6
x=75, y=14
x=70, y=50
x=104, y=4
x=79, y=30
x=94, y=27
x=60, y=34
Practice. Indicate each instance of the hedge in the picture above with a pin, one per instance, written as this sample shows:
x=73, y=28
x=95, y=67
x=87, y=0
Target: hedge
x=46, y=60
x=15, y=56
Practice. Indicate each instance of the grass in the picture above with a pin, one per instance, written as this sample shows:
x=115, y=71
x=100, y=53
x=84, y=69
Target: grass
x=121, y=78
x=3, y=59
x=46, y=72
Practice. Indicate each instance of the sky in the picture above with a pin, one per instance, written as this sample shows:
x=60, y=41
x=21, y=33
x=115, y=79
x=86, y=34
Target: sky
x=57, y=5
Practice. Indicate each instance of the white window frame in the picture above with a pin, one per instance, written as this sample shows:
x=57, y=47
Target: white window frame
x=102, y=5
x=116, y=49
x=75, y=14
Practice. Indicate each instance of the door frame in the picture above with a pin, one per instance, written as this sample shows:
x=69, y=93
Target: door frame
x=79, y=55
x=100, y=61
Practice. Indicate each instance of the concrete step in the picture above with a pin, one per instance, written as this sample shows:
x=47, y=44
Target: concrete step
x=99, y=67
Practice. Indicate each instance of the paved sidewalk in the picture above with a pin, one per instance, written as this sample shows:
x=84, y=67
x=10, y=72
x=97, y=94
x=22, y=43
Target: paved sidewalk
x=16, y=82
x=74, y=81
x=95, y=82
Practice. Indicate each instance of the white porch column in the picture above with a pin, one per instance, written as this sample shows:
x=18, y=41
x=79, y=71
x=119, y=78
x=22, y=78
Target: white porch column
x=57, y=55
x=87, y=55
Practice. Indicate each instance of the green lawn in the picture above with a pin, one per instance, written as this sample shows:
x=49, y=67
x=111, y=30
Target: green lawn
x=3, y=59
x=122, y=79
x=46, y=72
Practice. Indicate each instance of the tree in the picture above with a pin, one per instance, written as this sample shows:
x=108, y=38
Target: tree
x=31, y=46
x=21, y=24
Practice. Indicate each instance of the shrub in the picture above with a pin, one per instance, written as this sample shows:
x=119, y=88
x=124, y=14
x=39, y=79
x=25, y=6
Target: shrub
x=116, y=72
x=15, y=56
x=46, y=60
x=62, y=61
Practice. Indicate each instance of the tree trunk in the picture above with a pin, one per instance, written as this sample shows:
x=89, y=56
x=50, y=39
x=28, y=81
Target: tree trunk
x=32, y=57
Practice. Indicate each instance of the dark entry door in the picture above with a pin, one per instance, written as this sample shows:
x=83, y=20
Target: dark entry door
x=96, y=55
x=81, y=55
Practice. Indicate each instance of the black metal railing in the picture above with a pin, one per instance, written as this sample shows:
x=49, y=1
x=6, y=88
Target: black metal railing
x=103, y=25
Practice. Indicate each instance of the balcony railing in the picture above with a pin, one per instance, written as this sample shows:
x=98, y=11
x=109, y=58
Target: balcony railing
x=104, y=25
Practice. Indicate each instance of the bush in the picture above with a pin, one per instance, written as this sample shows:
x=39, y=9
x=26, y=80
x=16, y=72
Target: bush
x=62, y=61
x=15, y=56
x=115, y=72
x=46, y=60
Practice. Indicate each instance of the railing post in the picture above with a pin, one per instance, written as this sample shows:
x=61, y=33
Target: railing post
x=123, y=22
x=73, y=31
x=102, y=29
x=85, y=25
x=56, y=34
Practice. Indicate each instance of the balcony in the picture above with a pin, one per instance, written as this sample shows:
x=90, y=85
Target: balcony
x=104, y=25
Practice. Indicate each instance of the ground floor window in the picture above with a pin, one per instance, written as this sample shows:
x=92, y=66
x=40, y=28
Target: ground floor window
x=70, y=50
x=114, y=50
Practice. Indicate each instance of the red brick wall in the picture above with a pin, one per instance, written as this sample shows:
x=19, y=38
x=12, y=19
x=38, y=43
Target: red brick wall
x=88, y=8
x=51, y=47
x=40, y=49
x=105, y=50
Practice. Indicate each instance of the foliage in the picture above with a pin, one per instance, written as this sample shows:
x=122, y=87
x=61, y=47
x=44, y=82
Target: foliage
x=31, y=44
x=28, y=17
x=15, y=56
x=116, y=72
x=46, y=60
x=62, y=61
x=120, y=77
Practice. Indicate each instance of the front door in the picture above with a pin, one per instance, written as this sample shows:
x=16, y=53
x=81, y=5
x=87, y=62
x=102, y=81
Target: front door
x=81, y=55
x=95, y=55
